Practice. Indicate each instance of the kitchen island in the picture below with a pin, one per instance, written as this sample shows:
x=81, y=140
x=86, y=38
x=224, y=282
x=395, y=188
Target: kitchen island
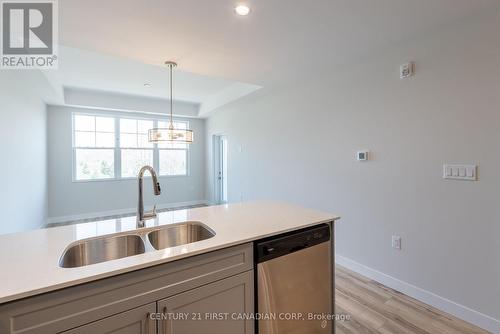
x=37, y=295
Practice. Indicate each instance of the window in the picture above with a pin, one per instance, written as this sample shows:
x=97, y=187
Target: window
x=173, y=156
x=114, y=147
x=94, y=143
x=135, y=149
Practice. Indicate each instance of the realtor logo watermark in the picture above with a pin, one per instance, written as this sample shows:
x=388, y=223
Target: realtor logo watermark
x=29, y=34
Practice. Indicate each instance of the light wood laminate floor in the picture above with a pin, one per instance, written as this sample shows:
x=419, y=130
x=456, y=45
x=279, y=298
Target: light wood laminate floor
x=375, y=308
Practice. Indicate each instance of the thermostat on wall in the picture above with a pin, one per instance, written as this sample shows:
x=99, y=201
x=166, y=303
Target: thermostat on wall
x=362, y=155
x=407, y=70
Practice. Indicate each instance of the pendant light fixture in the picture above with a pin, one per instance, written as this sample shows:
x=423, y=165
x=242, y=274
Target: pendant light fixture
x=170, y=134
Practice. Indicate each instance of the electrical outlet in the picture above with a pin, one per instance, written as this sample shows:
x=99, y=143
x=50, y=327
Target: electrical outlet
x=362, y=155
x=396, y=242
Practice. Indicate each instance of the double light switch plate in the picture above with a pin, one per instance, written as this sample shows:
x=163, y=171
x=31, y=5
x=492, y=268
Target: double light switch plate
x=460, y=172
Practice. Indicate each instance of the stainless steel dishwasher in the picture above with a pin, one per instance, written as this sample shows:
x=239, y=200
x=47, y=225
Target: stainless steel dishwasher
x=294, y=283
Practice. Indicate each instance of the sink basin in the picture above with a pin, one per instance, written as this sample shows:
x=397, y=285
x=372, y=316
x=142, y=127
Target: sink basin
x=179, y=234
x=103, y=249
x=112, y=247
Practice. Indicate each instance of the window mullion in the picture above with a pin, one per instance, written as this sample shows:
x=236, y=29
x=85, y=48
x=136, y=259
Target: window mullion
x=156, y=154
x=95, y=131
x=188, y=162
x=118, y=158
x=137, y=133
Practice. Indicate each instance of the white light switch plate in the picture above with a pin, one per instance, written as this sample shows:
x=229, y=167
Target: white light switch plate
x=460, y=172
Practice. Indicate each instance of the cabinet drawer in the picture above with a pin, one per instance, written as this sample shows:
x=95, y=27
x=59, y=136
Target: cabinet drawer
x=75, y=306
x=135, y=321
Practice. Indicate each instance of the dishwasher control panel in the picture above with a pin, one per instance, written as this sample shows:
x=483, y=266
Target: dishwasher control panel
x=291, y=242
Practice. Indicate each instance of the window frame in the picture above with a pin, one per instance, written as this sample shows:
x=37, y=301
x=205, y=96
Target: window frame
x=118, y=150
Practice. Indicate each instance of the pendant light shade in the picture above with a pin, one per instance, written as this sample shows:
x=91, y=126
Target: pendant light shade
x=158, y=135
x=170, y=134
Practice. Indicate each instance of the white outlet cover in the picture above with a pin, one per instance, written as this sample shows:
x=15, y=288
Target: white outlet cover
x=362, y=155
x=396, y=242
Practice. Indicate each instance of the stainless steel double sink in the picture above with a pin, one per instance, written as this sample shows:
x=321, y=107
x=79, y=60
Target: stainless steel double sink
x=112, y=247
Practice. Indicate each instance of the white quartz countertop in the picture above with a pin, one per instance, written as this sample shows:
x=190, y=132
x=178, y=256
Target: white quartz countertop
x=29, y=261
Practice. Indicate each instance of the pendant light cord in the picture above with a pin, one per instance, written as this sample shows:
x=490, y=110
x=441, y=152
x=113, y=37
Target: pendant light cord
x=171, y=100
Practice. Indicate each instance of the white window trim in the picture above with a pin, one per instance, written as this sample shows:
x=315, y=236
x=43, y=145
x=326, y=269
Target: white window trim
x=117, y=149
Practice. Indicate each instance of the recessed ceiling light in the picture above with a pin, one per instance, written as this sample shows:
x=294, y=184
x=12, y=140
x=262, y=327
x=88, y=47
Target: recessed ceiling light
x=147, y=85
x=242, y=10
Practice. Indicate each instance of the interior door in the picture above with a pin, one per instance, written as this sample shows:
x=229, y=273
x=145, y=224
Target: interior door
x=223, y=174
x=220, y=168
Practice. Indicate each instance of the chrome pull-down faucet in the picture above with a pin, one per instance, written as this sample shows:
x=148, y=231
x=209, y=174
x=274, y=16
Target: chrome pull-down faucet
x=141, y=215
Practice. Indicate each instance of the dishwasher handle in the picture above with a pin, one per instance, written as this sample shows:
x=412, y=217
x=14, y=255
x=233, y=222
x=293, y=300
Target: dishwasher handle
x=298, y=247
x=274, y=247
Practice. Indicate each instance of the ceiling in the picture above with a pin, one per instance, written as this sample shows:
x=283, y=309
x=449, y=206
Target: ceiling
x=88, y=71
x=80, y=68
x=279, y=40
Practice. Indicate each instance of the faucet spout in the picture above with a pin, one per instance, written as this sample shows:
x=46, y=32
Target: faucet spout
x=141, y=215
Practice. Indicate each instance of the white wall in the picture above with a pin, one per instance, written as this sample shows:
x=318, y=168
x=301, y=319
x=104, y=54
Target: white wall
x=87, y=198
x=299, y=143
x=23, y=138
x=127, y=103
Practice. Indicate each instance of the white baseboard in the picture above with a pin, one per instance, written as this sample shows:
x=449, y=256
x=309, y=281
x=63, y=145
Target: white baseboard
x=63, y=219
x=462, y=312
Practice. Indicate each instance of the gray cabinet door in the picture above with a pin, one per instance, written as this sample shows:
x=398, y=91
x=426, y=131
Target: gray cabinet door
x=135, y=321
x=214, y=308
